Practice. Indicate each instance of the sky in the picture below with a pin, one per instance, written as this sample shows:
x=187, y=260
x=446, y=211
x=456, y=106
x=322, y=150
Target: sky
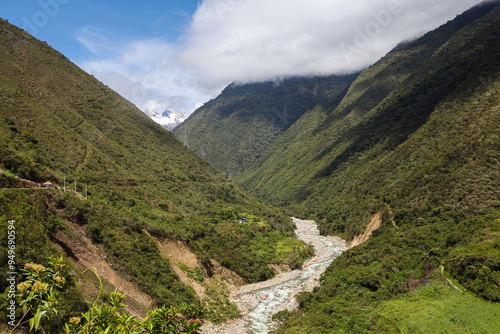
x=179, y=54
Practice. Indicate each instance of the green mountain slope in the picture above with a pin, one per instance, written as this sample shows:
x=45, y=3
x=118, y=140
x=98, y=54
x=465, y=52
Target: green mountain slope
x=315, y=167
x=59, y=124
x=416, y=139
x=233, y=130
x=425, y=154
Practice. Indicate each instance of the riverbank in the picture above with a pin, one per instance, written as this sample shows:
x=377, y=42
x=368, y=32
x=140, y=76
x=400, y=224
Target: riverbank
x=260, y=301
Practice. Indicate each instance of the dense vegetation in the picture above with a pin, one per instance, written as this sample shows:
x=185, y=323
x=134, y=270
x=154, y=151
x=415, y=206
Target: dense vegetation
x=416, y=137
x=233, y=130
x=59, y=124
x=423, y=93
x=39, y=295
x=398, y=263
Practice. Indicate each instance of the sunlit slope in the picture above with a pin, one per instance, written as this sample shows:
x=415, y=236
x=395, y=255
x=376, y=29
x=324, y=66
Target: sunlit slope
x=425, y=156
x=59, y=124
x=345, y=164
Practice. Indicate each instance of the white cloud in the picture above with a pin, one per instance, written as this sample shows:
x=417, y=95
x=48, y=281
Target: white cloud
x=98, y=41
x=255, y=40
x=145, y=72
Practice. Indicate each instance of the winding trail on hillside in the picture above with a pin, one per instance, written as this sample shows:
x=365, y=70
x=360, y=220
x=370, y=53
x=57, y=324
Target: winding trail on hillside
x=260, y=301
x=31, y=185
x=449, y=281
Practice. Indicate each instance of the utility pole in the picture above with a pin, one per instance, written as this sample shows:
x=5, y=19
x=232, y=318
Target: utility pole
x=186, y=137
x=64, y=186
x=85, y=190
x=75, y=186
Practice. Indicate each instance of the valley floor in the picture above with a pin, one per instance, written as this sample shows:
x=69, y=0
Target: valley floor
x=260, y=301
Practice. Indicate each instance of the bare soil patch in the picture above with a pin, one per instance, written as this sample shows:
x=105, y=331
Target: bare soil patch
x=83, y=254
x=375, y=224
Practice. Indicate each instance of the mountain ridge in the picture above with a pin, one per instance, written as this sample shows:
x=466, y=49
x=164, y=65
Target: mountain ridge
x=60, y=124
x=267, y=109
x=367, y=131
x=415, y=140
x=168, y=119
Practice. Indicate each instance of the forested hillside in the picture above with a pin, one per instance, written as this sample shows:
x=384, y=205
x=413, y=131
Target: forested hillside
x=60, y=125
x=233, y=130
x=416, y=139
x=367, y=152
x=413, y=140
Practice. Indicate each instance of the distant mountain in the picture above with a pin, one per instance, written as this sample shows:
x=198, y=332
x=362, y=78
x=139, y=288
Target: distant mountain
x=168, y=119
x=151, y=113
x=236, y=128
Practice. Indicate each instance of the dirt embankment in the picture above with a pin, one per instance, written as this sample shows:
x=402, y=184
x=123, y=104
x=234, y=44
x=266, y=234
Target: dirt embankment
x=375, y=224
x=83, y=254
x=179, y=255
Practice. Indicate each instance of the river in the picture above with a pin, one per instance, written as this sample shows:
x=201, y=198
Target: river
x=260, y=301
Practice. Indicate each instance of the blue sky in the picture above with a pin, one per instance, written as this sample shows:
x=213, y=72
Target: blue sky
x=178, y=54
x=125, y=20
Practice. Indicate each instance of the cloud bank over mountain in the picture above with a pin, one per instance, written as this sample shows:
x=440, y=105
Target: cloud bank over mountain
x=256, y=40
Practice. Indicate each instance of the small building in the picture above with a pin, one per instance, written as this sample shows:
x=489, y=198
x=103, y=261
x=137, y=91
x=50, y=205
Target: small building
x=48, y=185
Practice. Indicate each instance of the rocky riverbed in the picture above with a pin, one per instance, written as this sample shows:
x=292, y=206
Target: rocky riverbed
x=260, y=301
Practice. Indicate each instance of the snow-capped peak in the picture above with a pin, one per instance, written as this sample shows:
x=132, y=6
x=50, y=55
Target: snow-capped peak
x=151, y=112
x=168, y=119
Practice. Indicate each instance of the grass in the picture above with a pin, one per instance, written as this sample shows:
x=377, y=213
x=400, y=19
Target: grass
x=441, y=309
x=287, y=247
x=195, y=273
x=9, y=174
